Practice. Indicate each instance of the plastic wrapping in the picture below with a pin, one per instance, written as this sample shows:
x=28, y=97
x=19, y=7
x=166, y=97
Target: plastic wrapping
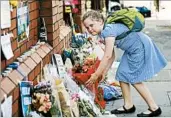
x=87, y=106
x=64, y=99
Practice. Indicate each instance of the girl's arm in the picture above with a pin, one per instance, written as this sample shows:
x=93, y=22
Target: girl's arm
x=108, y=54
x=110, y=63
x=108, y=57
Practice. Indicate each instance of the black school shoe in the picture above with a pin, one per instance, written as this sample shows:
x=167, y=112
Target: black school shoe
x=131, y=110
x=152, y=114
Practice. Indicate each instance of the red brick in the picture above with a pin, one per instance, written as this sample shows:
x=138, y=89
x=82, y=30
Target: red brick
x=37, y=70
x=57, y=50
x=48, y=20
x=60, y=3
x=14, y=31
x=36, y=38
x=29, y=44
x=17, y=114
x=16, y=93
x=55, y=35
x=54, y=50
x=13, y=24
x=61, y=15
x=48, y=58
x=31, y=38
x=55, y=42
x=14, y=13
x=56, y=26
x=44, y=61
x=33, y=6
x=35, y=82
x=34, y=41
x=46, y=4
x=1, y=78
x=2, y=93
x=60, y=51
x=30, y=25
x=37, y=4
x=57, y=32
x=50, y=28
x=31, y=76
x=32, y=33
x=9, y=61
x=60, y=9
x=54, y=18
x=14, y=44
x=15, y=76
x=61, y=22
x=16, y=53
x=3, y=64
x=46, y=12
x=23, y=42
x=57, y=17
x=57, y=2
x=34, y=23
x=15, y=107
x=36, y=14
x=7, y=85
x=50, y=36
x=61, y=44
x=31, y=15
x=23, y=48
x=54, y=3
x=54, y=10
x=36, y=31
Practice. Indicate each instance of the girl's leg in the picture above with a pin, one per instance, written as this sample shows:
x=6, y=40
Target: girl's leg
x=126, y=92
x=128, y=105
x=146, y=95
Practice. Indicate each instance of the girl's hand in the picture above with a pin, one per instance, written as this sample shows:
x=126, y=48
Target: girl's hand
x=92, y=79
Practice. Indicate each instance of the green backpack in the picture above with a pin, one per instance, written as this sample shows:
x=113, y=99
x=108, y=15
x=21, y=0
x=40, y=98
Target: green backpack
x=129, y=17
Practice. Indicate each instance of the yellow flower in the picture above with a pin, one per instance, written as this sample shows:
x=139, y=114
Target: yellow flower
x=14, y=3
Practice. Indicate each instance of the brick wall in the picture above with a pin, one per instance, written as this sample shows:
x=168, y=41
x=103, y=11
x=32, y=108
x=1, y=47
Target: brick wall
x=9, y=84
x=18, y=50
x=52, y=11
x=77, y=17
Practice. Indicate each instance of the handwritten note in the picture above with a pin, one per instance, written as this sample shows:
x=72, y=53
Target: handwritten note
x=6, y=46
x=7, y=107
x=5, y=14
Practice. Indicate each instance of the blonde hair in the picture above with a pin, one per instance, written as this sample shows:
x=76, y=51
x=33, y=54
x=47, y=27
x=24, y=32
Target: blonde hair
x=94, y=15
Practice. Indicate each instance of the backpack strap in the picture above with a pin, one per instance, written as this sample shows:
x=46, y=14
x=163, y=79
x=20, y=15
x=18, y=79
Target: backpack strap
x=123, y=35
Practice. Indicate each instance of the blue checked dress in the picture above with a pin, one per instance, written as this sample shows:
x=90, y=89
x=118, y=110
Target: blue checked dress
x=141, y=59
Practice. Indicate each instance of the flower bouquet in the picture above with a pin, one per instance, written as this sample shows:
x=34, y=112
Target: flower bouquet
x=43, y=100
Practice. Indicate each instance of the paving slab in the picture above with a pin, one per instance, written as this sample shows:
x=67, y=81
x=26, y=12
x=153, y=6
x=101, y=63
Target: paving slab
x=161, y=92
x=163, y=75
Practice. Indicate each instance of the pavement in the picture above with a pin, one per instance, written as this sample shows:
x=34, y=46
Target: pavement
x=159, y=29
